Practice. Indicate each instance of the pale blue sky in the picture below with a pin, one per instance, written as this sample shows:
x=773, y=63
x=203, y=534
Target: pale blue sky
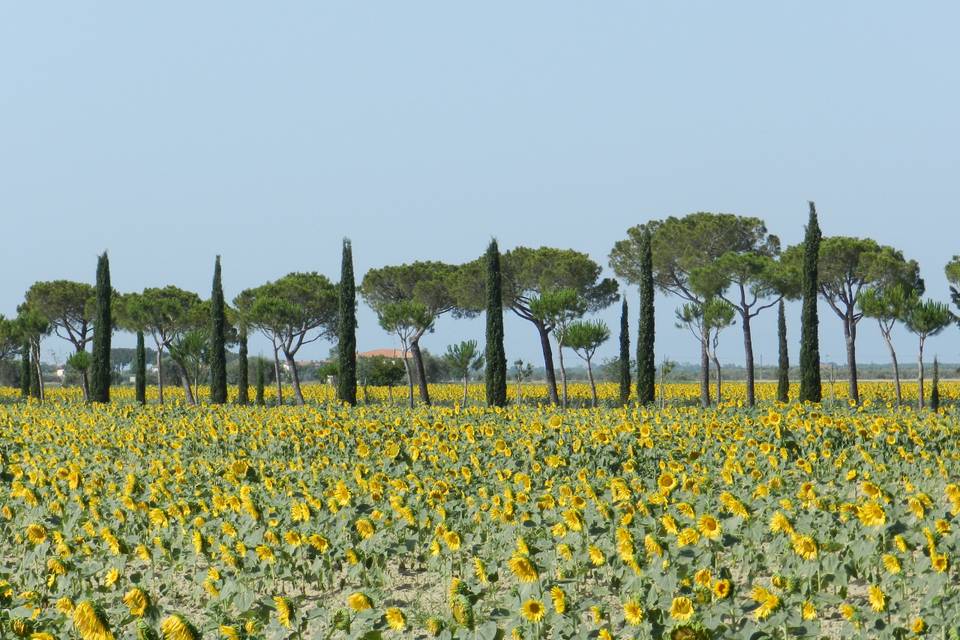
x=170, y=132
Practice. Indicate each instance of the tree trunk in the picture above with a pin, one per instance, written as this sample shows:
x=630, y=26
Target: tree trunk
x=84, y=381
x=406, y=367
x=276, y=372
x=548, y=370
x=185, y=382
x=160, y=373
x=850, y=335
x=40, y=386
x=421, y=371
x=716, y=364
x=465, y=384
x=748, y=361
x=563, y=375
x=704, y=374
x=896, y=366
x=294, y=378
x=593, y=386
x=920, y=376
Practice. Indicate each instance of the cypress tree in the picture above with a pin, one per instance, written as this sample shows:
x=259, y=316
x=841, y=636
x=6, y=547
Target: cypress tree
x=347, y=330
x=102, y=331
x=935, y=387
x=140, y=370
x=646, y=366
x=243, y=374
x=810, y=390
x=624, y=354
x=261, y=380
x=218, y=351
x=783, y=363
x=25, y=369
x=496, y=358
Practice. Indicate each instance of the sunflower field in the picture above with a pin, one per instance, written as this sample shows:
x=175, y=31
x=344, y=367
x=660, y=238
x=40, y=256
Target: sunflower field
x=187, y=522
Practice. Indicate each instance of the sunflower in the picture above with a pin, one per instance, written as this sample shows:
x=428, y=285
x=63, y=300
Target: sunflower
x=666, y=482
x=533, y=610
x=808, y=611
x=891, y=563
x=871, y=514
x=522, y=568
x=559, y=599
x=137, y=601
x=767, y=600
x=939, y=562
x=283, y=611
x=364, y=528
x=681, y=608
x=359, y=601
x=395, y=619
x=878, y=600
x=709, y=527
x=804, y=546
x=452, y=540
x=176, y=627
x=90, y=622
x=596, y=556
x=36, y=533
x=721, y=589
x=633, y=612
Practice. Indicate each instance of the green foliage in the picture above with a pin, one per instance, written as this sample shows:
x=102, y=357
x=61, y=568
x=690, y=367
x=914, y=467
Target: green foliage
x=243, y=368
x=558, y=308
x=80, y=361
x=140, y=370
x=217, y=334
x=295, y=310
x=585, y=337
x=935, y=387
x=495, y=356
x=624, y=354
x=952, y=271
x=381, y=371
x=463, y=358
x=783, y=358
x=347, y=329
x=928, y=318
x=100, y=369
x=69, y=308
x=646, y=333
x=526, y=274
x=10, y=339
x=261, y=379
x=25, y=370
x=810, y=388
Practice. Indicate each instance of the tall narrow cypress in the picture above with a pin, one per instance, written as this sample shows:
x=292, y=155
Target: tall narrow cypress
x=261, y=381
x=25, y=371
x=810, y=389
x=243, y=371
x=646, y=366
x=347, y=330
x=218, y=350
x=783, y=361
x=140, y=370
x=496, y=358
x=624, y=354
x=102, y=331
